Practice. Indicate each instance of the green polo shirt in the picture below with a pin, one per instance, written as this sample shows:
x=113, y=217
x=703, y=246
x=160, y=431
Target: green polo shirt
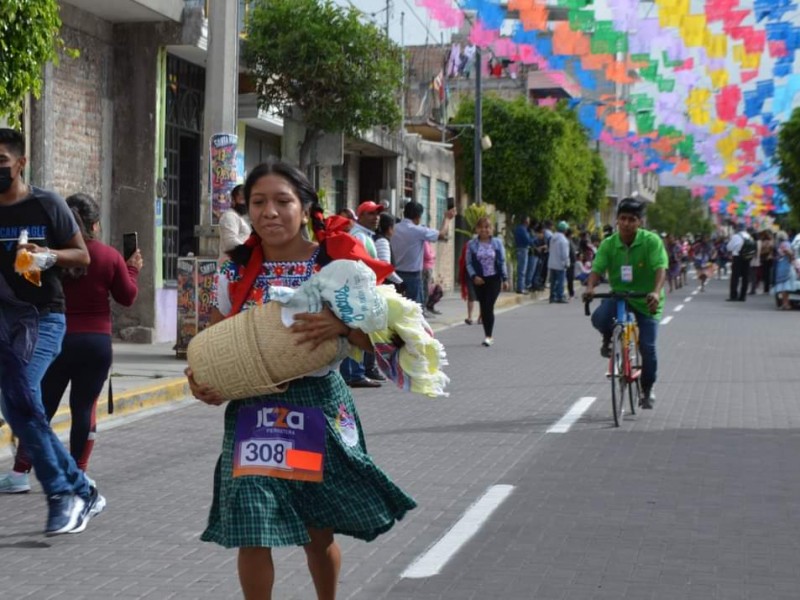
x=645, y=255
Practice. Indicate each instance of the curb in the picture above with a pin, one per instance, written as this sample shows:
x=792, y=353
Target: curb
x=125, y=403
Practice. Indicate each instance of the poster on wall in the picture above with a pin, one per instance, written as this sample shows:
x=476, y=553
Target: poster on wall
x=206, y=281
x=196, y=281
x=187, y=303
x=223, y=172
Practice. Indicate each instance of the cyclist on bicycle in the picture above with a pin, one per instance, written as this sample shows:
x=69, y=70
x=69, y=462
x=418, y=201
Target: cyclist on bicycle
x=636, y=261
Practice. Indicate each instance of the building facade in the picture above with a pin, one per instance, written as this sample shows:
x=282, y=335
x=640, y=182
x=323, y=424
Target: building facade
x=129, y=122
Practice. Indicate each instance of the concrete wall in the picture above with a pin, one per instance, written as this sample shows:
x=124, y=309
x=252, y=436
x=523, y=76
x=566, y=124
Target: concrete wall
x=72, y=123
x=152, y=317
x=94, y=130
x=353, y=177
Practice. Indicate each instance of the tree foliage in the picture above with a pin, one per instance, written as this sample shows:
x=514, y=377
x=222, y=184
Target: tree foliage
x=29, y=39
x=540, y=162
x=343, y=74
x=789, y=162
x=675, y=211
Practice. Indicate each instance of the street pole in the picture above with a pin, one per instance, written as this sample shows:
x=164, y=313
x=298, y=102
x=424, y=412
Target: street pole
x=400, y=169
x=478, y=129
x=444, y=86
x=403, y=68
x=388, y=14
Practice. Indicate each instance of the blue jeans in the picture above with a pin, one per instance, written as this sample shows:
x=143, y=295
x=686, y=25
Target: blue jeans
x=352, y=370
x=603, y=320
x=413, y=283
x=54, y=467
x=533, y=263
x=557, y=284
x=522, y=268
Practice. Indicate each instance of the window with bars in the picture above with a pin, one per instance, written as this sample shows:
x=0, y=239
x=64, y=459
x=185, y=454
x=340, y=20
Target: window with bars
x=425, y=197
x=409, y=182
x=442, y=192
x=339, y=174
x=185, y=96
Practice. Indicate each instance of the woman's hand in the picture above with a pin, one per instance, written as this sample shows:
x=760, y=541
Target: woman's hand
x=316, y=328
x=505, y=286
x=478, y=280
x=204, y=393
x=136, y=261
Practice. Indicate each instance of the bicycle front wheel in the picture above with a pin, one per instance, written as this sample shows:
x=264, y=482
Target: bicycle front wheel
x=618, y=383
x=635, y=386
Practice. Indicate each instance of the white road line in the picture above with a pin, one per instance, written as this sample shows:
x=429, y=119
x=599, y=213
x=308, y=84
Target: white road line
x=573, y=414
x=666, y=320
x=678, y=308
x=694, y=293
x=438, y=555
x=689, y=299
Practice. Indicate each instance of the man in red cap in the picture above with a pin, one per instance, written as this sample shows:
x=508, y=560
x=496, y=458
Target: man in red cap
x=364, y=374
x=368, y=213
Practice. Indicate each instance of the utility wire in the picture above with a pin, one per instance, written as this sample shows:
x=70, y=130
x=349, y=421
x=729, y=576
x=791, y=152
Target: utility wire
x=428, y=33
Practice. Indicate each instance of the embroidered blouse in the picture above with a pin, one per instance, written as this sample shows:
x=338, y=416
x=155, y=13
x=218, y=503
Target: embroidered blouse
x=284, y=273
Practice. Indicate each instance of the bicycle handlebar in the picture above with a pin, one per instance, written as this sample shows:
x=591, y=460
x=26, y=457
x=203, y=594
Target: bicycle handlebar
x=615, y=295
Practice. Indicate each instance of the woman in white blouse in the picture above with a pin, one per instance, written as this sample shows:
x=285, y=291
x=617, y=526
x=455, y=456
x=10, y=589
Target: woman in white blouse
x=384, y=250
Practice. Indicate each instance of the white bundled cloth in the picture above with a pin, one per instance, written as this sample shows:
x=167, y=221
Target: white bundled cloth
x=404, y=344
x=346, y=286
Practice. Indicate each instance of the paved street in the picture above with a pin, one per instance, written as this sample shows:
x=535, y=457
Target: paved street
x=699, y=498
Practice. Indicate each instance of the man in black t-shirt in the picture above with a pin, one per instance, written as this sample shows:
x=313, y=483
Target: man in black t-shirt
x=55, y=240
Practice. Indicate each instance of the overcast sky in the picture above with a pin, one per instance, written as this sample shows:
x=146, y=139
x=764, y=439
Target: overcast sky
x=419, y=28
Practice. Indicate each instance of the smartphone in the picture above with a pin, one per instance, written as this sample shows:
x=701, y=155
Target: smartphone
x=130, y=244
x=451, y=203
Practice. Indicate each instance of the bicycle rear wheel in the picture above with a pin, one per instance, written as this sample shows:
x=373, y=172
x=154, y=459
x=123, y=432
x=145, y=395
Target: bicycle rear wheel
x=618, y=384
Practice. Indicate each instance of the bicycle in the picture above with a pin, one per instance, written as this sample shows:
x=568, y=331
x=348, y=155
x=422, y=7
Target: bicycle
x=624, y=363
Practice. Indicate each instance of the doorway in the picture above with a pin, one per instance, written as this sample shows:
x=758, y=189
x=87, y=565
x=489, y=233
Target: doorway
x=370, y=181
x=188, y=193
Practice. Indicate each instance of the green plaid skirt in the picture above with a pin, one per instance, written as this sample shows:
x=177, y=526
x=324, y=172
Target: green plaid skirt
x=355, y=497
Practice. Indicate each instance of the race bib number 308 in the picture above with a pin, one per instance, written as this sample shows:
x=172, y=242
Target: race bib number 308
x=279, y=440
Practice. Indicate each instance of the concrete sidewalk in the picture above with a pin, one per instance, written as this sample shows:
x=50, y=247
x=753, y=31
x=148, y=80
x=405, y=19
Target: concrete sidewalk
x=145, y=377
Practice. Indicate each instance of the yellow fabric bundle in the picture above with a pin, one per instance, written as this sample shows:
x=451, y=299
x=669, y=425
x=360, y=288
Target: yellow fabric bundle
x=414, y=364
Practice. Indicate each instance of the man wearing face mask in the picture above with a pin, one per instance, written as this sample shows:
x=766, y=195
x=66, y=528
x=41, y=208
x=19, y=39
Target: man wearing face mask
x=234, y=227
x=32, y=326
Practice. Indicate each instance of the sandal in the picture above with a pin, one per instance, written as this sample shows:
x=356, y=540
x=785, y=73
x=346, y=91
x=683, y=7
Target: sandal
x=468, y=321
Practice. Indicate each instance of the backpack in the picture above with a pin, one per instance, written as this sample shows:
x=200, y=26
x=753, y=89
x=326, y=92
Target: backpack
x=749, y=247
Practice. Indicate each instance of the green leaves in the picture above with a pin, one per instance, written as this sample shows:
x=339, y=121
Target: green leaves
x=29, y=38
x=675, y=211
x=540, y=163
x=788, y=155
x=344, y=75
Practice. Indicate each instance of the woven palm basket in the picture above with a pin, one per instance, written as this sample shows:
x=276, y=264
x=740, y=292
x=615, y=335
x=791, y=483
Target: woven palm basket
x=253, y=354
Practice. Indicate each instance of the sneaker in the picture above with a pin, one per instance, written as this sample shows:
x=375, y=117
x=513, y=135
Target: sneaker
x=63, y=513
x=648, y=399
x=93, y=506
x=14, y=483
x=488, y=342
x=605, y=349
x=363, y=383
x=375, y=375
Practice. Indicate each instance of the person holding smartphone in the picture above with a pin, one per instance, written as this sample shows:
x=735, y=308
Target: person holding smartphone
x=85, y=358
